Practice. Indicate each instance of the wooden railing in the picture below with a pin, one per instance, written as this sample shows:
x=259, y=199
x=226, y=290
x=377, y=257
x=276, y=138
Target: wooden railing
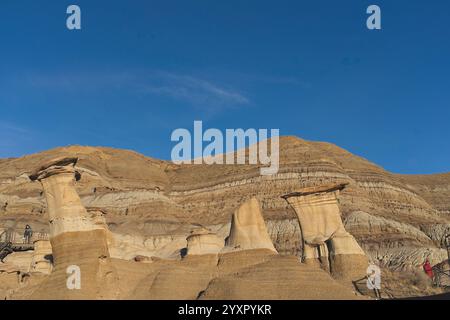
x=16, y=236
x=441, y=275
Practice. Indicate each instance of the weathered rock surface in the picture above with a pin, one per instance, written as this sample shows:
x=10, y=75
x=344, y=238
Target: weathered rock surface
x=77, y=239
x=248, y=230
x=42, y=259
x=151, y=206
x=278, y=277
x=324, y=236
x=203, y=241
x=244, y=274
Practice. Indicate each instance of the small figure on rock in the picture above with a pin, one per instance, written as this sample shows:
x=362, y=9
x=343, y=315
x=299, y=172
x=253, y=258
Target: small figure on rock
x=428, y=268
x=28, y=233
x=374, y=280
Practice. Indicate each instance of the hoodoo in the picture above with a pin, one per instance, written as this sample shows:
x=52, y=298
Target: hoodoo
x=325, y=239
x=248, y=230
x=75, y=239
x=203, y=241
x=141, y=228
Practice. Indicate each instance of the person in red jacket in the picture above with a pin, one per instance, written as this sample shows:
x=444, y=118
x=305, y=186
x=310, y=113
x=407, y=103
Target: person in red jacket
x=428, y=268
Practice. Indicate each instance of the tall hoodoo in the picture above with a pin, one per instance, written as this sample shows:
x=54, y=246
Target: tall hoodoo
x=325, y=239
x=66, y=213
x=248, y=230
x=75, y=238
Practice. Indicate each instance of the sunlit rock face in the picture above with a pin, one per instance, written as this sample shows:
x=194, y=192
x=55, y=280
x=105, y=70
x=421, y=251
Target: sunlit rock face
x=324, y=236
x=42, y=257
x=76, y=239
x=248, y=230
x=66, y=213
x=203, y=241
x=152, y=205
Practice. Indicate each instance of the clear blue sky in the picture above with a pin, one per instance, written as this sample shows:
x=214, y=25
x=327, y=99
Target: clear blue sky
x=139, y=69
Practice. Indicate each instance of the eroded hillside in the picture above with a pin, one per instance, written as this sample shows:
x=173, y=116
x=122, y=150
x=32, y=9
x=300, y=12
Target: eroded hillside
x=152, y=205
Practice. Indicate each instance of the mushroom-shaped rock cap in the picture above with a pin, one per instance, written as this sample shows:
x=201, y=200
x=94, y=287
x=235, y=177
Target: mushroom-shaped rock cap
x=55, y=166
x=200, y=231
x=316, y=189
x=96, y=209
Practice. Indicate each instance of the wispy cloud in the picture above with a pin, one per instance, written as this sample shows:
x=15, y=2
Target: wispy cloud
x=194, y=90
x=13, y=137
x=13, y=129
x=188, y=89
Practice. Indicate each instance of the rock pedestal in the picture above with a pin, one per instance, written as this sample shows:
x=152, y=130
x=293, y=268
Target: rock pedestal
x=325, y=239
x=66, y=213
x=248, y=230
x=76, y=240
x=203, y=241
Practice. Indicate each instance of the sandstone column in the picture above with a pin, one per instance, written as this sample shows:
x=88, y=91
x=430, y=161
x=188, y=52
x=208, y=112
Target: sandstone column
x=325, y=239
x=75, y=239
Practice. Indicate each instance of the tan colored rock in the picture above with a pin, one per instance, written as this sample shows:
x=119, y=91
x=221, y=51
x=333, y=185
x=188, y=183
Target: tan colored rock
x=324, y=236
x=277, y=277
x=248, y=230
x=42, y=255
x=66, y=213
x=97, y=218
x=75, y=239
x=203, y=241
x=127, y=246
x=244, y=274
x=178, y=280
x=151, y=202
x=143, y=259
x=17, y=262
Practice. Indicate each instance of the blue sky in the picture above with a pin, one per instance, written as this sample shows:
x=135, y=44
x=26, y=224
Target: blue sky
x=140, y=69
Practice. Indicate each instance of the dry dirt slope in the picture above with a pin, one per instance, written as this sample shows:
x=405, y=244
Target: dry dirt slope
x=397, y=219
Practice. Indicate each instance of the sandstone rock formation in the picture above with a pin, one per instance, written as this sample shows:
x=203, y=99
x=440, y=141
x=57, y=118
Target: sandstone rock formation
x=151, y=206
x=276, y=277
x=75, y=239
x=248, y=230
x=203, y=241
x=244, y=274
x=66, y=213
x=42, y=259
x=324, y=236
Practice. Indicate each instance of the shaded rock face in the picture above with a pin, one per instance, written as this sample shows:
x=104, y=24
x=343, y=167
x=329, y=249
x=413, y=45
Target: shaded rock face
x=248, y=230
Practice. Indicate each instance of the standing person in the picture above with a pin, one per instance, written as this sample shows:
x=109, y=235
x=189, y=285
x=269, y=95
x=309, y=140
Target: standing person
x=374, y=280
x=28, y=233
x=428, y=268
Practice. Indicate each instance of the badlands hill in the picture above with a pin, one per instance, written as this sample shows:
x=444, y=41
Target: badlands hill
x=152, y=206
